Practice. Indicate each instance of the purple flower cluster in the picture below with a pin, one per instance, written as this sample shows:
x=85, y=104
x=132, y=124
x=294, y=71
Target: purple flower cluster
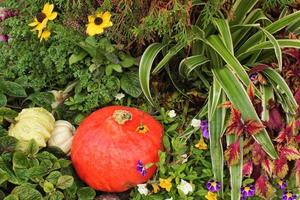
x=213, y=186
x=247, y=191
x=4, y=38
x=6, y=13
x=204, y=128
x=141, y=169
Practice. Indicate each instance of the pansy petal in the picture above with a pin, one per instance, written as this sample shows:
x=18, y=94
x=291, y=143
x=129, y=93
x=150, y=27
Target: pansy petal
x=91, y=29
x=52, y=16
x=91, y=19
x=34, y=23
x=48, y=8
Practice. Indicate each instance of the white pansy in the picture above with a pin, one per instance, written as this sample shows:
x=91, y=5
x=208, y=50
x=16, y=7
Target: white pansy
x=196, y=123
x=185, y=187
x=119, y=96
x=143, y=189
x=169, y=198
x=184, y=157
x=172, y=113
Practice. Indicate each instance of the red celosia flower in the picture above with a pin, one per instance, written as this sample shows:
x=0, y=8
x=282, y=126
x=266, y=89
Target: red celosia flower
x=236, y=125
x=233, y=152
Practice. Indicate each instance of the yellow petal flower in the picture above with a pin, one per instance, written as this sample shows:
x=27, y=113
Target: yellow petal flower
x=201, y=144
x=98, y=23
x=165, y=183
x=211, y=196
x=48, y=8
x=45, y=35
x=52, y=16
x=155, y=187
x=34, y=23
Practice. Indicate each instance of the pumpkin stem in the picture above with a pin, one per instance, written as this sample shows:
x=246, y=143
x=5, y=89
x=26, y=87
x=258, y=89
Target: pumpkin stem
x=122, y=116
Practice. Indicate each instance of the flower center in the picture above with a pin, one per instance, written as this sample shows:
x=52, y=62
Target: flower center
x=247, y=189
x=289, y=194
x=98, y=20
x=214, y=184
x=40, y=17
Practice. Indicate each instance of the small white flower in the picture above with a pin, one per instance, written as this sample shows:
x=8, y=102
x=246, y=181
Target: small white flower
x=119, y=96
x=184, y=157
x=185, y=187
x=143, y=189
x=169, y=198
x=172, y=113
x=196, y=123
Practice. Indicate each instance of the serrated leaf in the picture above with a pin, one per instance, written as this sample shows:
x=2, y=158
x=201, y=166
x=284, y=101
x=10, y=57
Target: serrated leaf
x=281, y=167
x=232, y=153
x=290, y=152
x=248, y=168
x=263, y=188
x=268, y=166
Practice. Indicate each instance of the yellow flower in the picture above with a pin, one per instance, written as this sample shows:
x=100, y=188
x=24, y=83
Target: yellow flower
x=211, y=196
x=142, y=129
x=41, y=19
x=45, y=34
x=155, y=187
x=201, y=144
x=98, y=23
x=165, y=183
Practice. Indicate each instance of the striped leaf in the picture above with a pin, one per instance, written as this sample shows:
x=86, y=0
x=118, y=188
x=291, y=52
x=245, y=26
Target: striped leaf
x=188, y=64
x=145, y=69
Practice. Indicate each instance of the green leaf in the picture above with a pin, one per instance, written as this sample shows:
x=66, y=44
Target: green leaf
x=48, y=187
x=241, y=8
x=145, y=68
x=8, y=113
x=26, y=193
x=3, y=100
x=32, y=148
x=267, y=95
x=108, y=70
x=172, y=52
x=4, y=176
x=12, y=89
x=240, y=99
x=42, y=99
x=57, y=195
x=225, y=33
x=86, y=193
x=11, y=197
x=216, y=120
x=188, y=64
x=236, y=171
x=116, y=67
x=130, y=84
x=8, y=144
x=64, y=182
x=53, y=177
x=20, y=161
x=74, y=58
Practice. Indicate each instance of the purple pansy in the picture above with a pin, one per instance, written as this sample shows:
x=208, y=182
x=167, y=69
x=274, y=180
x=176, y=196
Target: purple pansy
x=140, y=168
x=253, y=76
x=289, y=196
x=204, y=128
x=213, y=186
x=248, y=191
x=281, y=184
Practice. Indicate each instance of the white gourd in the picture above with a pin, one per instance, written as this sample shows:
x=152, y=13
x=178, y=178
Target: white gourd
x=62, y=135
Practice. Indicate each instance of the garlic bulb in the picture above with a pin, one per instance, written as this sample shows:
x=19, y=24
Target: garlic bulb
x=33, y=123
x=62, y=135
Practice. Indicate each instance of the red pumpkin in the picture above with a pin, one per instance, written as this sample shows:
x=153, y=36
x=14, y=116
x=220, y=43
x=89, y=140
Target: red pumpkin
x=112, y=147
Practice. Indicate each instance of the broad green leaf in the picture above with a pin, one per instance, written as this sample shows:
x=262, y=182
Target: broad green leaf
x=26, y=193
x=12, y=89
x=32, y=148
x=3, y=176
x=86, y=193
x=145, y=68
x=236, y=171
x=74, y=58
x=188, y=64
x=240, y=99
x=53, y=177
x=48, y=187
x=57, y=195
x=130, y=84
x=8, y=113
x=172, y=52
x=11, y=197
x=3, y=100
x=64, y=182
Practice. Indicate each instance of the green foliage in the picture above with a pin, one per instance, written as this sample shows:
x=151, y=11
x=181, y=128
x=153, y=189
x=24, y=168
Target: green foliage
x=33, y=174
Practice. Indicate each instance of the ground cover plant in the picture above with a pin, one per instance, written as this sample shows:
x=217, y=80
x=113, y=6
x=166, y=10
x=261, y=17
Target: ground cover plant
x=220, y=77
